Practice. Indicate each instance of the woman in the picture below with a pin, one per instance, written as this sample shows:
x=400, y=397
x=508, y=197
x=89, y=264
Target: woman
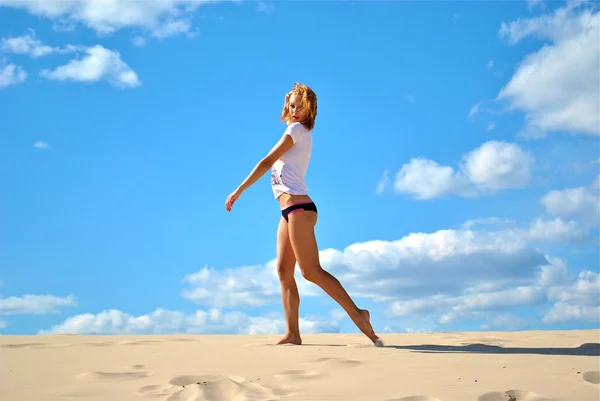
x=288, y=161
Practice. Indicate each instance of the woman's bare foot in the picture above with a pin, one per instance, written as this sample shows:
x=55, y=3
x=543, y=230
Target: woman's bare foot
x=363, y=321
x=291, y=338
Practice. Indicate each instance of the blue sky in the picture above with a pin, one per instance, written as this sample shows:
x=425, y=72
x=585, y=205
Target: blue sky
x=455, y=164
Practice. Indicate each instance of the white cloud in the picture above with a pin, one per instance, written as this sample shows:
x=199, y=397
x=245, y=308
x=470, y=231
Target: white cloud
x=562, y=313
x=556, y=230
x=584, y=291
x=383, y=182
x=162, y=321
x=580, y=166
x=28, y=44
x=99, y=64
x=540, y=230
x=249, y=286
x=555, y=273
x=172, y=28
x=161, y=18
x=11, y=74
x=264, y=7
x=397, y=329
x=474, y=110
x=139, y=41
x=3, y=324
x=579, y=202
x=63, y=25
x=506, y=321
x=417, y=265
x=578, y=301
x=41, y=145
x=34, y=304
x=452, y=308
x=491, y=126
x=493, y=221
x=531, y=4
x=426, y=179
x=499, y=165
x=449, y=275
x=495, y=165
x=557, y=87
x=422, y=264
x=246, y=286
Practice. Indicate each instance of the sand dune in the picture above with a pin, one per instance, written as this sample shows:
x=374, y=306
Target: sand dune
x=519, y=366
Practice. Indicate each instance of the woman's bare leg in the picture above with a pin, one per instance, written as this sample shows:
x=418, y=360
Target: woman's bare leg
x=286, y=263
x=302, y=237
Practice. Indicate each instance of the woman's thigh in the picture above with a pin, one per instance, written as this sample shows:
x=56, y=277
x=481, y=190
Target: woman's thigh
x=286, y=260
x=303, y=241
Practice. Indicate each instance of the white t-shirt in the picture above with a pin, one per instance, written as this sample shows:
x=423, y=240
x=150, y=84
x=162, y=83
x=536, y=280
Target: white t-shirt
x=289, y=171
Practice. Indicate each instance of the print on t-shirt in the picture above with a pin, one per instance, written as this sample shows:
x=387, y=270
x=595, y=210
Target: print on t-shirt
x=275, y=178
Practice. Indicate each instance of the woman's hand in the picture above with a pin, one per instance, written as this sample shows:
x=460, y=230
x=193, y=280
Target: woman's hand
x=232, y=198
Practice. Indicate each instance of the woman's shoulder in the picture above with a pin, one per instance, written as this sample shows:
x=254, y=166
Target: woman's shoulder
x=297, y=129
x=297, y=126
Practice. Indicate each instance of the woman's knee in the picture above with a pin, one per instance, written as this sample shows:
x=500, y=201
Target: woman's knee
x=285, y=271
x=311, y=273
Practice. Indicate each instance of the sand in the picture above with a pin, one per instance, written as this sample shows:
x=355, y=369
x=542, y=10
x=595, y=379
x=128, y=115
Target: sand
x=482, y=366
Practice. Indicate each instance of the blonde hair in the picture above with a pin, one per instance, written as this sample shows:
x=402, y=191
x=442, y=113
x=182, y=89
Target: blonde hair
x=308, y=102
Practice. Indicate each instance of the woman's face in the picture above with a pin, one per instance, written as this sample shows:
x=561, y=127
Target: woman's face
x=297, y=112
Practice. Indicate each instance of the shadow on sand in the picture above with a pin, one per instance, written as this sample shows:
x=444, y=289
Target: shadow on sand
x=587, y=349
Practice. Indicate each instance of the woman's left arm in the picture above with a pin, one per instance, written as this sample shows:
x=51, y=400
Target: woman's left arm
x=260, y=169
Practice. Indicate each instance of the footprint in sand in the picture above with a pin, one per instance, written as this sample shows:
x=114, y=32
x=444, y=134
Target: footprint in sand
x=322, y=364
x=137, y=342
x=24, y=345
x=513, y=395
x=416, y=398
x=94, y=378
x=112, y=376
x=360, y=346
x=298, y=374
x=99, y=344
x=592, y=377
x=212, y=388
x=341, y=362
x=182, y=339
